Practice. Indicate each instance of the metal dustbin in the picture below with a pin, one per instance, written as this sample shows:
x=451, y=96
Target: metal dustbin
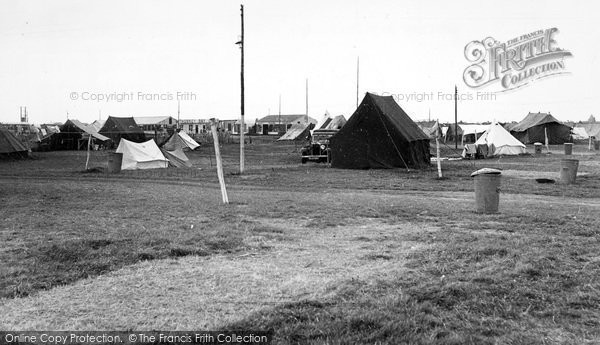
x=487, y=190
x=538, y=148
x=114, y=163
x=597, y=145
x=568, y=170
x=568, y=149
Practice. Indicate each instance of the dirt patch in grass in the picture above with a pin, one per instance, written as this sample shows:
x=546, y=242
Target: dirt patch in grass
x=53, y=234
x=208, y=292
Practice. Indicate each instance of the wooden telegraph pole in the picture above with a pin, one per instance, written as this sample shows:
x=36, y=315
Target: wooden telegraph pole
x=455, y=117
x=437, y=148
x=242, y=125
x=307, y=100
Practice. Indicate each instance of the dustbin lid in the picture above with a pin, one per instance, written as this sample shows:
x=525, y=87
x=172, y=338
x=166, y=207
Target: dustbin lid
x=489, y=171
x=538, y=144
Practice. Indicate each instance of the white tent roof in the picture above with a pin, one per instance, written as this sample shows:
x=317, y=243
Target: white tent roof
x=500, y=142
x=180, y=140
x=191, y=143
x=580, y=133
x=322, y=120
x=145, y=155
x=294, y=132
x=336, y=123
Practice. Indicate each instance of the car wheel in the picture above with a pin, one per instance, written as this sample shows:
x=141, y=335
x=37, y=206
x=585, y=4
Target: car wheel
x=304, y=160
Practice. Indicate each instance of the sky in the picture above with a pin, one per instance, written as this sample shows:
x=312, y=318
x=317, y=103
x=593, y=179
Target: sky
x=88, y=60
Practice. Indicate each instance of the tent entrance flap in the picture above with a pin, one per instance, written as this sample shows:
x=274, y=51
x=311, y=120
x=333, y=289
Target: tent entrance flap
x=177, y=158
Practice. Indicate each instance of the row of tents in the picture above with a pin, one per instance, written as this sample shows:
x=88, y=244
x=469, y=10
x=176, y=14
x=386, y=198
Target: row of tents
x=535, y=127
x=137, y=152
x=381, y=135
x=148, y=155
x=75, y=135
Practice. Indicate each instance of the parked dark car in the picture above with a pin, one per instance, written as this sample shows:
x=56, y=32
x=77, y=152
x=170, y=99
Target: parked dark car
x=317, y=152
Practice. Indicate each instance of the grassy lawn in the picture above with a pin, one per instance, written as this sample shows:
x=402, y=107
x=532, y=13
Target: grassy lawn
x=318, y=255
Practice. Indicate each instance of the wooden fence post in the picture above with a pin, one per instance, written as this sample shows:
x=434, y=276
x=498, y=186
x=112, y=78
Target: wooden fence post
x=213, y=128
x=87, y=161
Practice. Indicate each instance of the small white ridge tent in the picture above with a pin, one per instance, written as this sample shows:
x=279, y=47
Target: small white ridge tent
x=580, y=133
x=144, y=155
x=180, y=140
x=191, y=143
x=335, y=123
x=299, y=131
x=500, y=142
x=322, y=121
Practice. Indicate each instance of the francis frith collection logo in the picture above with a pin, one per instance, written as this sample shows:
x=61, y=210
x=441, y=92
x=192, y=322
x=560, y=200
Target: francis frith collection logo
x=516, y=62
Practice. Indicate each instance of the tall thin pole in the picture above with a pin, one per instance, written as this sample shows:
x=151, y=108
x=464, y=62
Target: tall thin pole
x=242, y=125
x=455, y=117
x=437, y=148
x=178, y=111
x=357, y=74
x=279, y=119
x=307, y=100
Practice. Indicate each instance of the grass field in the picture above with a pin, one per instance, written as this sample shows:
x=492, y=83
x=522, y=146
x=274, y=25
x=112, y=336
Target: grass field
x=318, y=255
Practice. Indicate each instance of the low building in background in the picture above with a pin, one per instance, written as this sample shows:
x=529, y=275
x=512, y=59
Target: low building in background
x=201, y=126
x=194, y=126
x=153, y=124
x=279, y=124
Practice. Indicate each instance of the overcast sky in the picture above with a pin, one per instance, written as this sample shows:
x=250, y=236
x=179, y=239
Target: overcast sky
x=136, y=51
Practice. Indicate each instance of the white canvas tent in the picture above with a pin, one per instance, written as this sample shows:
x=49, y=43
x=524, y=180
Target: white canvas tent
x=324, y=119
x=180, y=140
x=144, y=155
x=580, y=133
x=500, y=142
x=299, y=131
